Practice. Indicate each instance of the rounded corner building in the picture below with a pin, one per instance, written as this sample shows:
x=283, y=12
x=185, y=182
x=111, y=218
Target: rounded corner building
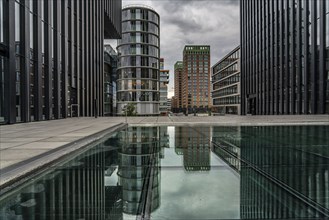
x=139, y=54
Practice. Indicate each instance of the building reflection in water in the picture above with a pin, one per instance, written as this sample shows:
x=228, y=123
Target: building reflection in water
x=73, y=190
x=139, y=170
x=227, y=142
x=283, y=170
x=194, y=144
x=117, y=177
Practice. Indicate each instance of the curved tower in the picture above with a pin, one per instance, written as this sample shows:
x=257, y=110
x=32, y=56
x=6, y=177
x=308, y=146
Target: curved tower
x=139, y=54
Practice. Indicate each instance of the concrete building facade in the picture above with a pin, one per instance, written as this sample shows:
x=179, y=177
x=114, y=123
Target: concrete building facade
x=169, y=105
x=285, y=57
x=196, y=86
x=164, y=80
x=51, y=57
x=226, y=84
x=139, y=54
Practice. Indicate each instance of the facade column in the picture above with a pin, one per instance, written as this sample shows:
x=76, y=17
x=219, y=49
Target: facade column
x=25, y=66
x=10, y=69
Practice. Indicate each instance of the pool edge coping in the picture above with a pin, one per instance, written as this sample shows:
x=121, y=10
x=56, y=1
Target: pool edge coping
x=23, y=169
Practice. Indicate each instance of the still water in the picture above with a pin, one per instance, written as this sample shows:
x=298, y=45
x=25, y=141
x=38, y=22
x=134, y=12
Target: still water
x=267, y=172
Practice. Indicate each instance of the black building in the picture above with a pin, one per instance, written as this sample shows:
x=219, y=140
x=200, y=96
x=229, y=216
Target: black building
x=51, y=57
x=285, y=57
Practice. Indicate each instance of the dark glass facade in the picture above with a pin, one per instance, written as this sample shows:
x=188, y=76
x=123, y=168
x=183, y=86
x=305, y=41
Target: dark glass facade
x=285, y=57
x=110, y=83
x=52, y=57
x=139, y=54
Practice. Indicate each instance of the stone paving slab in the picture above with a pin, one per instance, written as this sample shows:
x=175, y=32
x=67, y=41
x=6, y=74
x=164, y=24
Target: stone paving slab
x=6, y=145
x=20, y=154
x=7, y=163
x=61, y=139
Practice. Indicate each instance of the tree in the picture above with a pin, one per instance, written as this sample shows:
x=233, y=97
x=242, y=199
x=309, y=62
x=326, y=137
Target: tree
x=131, y=109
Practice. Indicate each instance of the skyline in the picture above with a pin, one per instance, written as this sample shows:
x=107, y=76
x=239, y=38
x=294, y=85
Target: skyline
x=208, y=16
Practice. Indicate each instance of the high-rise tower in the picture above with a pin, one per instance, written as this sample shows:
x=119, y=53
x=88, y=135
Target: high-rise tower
x=138, y=67
x=196, y=80
x=178, y=105
x=164, y=80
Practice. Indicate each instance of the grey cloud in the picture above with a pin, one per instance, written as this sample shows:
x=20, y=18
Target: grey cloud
x=211, y=22
x=184, y=24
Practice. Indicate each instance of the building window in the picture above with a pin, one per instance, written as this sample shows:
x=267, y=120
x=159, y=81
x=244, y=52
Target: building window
x=327, y=26
x=2, y=72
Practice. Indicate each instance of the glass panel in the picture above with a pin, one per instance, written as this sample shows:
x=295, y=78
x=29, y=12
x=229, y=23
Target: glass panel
x=31, y=33
x=17, y=24
x=2, y=84
x=42, y=9
x=1, y=21
x=327, y=26
x=18, y=89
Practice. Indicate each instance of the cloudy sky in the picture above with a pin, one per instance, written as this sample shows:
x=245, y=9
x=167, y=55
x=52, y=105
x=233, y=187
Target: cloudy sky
x=210, y=22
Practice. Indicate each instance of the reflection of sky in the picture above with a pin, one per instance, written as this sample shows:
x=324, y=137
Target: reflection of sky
x=213, y=194
x=113, y=179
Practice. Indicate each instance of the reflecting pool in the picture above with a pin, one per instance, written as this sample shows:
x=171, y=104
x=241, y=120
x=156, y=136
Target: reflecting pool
x=270, y=172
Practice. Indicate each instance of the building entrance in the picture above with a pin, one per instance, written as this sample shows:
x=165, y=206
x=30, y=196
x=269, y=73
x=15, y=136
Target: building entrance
x=251, y=106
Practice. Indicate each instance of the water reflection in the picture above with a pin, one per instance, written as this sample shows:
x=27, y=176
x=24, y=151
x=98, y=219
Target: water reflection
x=253, y=172
x=283, y=170
x=139, y=170
x=71, y=191
x=194, y=146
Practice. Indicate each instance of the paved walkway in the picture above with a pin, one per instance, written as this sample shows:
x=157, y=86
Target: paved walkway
x=28, y=146
x=233, y=120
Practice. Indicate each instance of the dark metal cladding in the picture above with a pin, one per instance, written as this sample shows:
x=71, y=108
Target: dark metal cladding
x=284, y=57
x=51, y=57
x=112, y=19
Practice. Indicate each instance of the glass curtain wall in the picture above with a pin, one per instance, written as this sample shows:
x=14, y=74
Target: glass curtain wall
x=2, y=63
x=18, y=59
x=1, y=21
x=327, y=53
x=2, y=72
x=138, y=62
x=55, y=48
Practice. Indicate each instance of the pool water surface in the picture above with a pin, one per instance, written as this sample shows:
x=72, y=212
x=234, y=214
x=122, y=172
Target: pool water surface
x=248, y=172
